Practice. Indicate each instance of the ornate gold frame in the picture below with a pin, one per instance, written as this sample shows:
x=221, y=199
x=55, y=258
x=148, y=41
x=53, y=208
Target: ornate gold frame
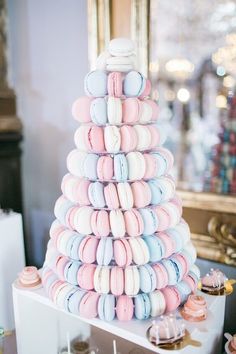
x=99, y=29
x=214, y=232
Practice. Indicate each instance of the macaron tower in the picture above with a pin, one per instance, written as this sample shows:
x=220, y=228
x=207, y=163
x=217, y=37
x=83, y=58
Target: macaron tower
x=118, y=247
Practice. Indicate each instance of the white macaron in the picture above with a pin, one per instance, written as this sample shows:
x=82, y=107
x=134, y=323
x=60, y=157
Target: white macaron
x=120, y=47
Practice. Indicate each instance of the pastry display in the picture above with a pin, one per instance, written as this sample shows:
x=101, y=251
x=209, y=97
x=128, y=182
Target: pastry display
x=119, y=247
x=195, y=309
x=213, y=282
x=167, y=329
x=29, y=278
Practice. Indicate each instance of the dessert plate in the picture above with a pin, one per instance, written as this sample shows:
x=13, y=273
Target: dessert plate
x=177, y=344
x=227, y=290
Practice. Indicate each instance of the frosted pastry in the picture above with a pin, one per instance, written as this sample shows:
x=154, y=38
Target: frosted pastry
x=195, y=309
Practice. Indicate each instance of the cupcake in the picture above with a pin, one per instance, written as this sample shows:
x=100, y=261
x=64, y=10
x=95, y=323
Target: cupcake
x=167, y=329
x=230, y=345
x=195, y=309
x=214, y=282
x=29, y=279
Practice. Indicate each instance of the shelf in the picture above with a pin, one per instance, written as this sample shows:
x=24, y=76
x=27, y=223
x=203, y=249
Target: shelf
x=208, y=201
x=208, y=332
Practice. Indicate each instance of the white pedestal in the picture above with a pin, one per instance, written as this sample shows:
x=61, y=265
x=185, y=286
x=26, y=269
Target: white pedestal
x=41, y=327
x=12, y=260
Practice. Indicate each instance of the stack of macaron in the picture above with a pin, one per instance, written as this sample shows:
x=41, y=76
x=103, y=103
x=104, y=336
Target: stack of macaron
x=119, y=247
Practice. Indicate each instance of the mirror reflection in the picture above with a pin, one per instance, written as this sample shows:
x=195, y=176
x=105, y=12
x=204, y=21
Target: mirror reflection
x=192, y=67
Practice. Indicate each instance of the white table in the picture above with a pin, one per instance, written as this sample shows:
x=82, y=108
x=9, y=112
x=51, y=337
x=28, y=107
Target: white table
x=40, y=325
x=12, y=260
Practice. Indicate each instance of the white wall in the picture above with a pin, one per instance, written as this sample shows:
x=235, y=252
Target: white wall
x=48, y=61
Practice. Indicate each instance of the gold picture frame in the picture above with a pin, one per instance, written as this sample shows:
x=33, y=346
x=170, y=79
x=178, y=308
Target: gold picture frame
x=212, y=217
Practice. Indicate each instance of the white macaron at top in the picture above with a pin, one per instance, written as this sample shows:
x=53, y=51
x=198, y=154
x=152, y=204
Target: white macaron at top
x=121, y=47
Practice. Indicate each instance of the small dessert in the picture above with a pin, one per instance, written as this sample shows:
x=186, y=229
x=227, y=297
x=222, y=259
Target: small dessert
x=214, y=282
x=230, y=345
x=29, y=279
x=168, y=329
x=195, y=309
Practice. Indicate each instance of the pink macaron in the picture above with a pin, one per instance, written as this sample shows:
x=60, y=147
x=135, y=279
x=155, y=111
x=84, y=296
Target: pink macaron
x=172, y=297
x=167, y=156
x=114, y=84
x=147, y=89
x=75, y=189
x=81, y=109
x=56, y=229
x=133, y=222
x=183, y=261
x=88, y=249
x=85, y=276
x=155, y=136
x=94, y=139
x=117, y=281
x=150, y=166
x=122, y=252
x=88, y=307
x=105, y=168
x=124, y=308
x=131, y=108
x=161, y=275
x=111, y=196
x=60, y=267
x=164, y=219
x=155, y=110
x=168, y=243
x=141, y=194
x=129, y=138
x=100, y=223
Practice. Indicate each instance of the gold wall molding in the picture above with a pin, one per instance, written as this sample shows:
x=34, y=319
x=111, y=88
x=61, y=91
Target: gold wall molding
x=104, y=21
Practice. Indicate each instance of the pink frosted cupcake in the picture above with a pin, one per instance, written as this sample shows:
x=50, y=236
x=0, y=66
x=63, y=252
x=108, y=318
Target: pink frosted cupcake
x=29, y=279
x=214, y=282
x=195, y=309
x=167, y=329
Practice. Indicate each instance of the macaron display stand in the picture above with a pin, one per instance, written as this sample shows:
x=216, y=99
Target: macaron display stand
x=41, y=328
x=119, y=247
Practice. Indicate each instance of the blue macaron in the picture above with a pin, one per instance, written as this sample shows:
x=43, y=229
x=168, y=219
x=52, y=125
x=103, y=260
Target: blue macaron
x=184, y=290
x=72, y=272
x=69, y=245
x=96, y=194
x=155, y=246
x=150, y=220
x=104, y=251
x=73, y=301
x=90, y=166
x=121, y=170
x=98, y=111
x=106, y=307
x=161, y=163
x=147, y=278
x=178, y=240
x=134, y=84
x=61, y=210
x=95, y=83
x=171, y=270
x=155, y=191
x=74, y=250
x=178, y=268
x=142, y=309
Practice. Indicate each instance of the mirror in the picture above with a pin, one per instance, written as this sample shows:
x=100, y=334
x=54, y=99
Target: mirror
x=192, y=51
